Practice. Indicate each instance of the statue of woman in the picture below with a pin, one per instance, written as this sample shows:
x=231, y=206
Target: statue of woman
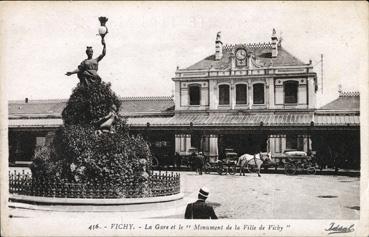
x=87, y=70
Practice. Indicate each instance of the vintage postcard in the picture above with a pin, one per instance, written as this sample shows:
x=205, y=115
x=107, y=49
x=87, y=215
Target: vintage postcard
x=184, y=118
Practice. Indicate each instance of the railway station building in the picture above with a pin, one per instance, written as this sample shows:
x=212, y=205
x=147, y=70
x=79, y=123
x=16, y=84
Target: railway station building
x=246, y=97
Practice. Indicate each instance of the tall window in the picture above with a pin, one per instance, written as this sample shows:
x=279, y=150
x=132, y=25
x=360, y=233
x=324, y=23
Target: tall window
x=224, y=94
x=241, y=94
x=258, y=93
x=194, y=91
x=294, y=142
x=290, y=91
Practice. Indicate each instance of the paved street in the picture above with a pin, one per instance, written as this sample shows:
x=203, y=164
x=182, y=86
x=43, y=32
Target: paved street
x=272, y=196
x=278, y=196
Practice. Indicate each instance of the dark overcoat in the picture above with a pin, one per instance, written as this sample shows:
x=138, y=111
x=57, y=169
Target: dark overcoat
x=200, y=210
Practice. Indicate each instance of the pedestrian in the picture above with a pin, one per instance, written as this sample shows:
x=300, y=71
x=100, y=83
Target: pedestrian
x=193, y=161
x=178, y=161
x=200, y=209
x=200, y=162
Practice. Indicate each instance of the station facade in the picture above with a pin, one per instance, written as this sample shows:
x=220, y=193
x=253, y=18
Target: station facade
x=246, y=97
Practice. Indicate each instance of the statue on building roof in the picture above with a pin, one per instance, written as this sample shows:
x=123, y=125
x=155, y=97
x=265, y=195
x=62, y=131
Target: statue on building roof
x=218, y=35
x=274, y=32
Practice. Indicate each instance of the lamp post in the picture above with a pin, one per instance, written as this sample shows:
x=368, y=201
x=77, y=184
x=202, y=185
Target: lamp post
x=103, y=30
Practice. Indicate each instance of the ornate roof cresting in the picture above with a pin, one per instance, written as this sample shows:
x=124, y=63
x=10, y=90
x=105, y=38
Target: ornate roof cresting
x=348, y=93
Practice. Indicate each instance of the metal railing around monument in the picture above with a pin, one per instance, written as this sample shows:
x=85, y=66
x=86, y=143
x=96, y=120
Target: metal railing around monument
x=161, y=184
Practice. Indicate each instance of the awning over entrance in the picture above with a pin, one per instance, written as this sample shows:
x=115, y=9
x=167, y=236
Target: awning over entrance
x=35, y=123
x=291, y=119
x=227, y=119
x=337, y=119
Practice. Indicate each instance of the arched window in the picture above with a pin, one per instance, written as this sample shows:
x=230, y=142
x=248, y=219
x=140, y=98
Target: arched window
x=290, y=91
x=258, y=91
x=241, y=94
x=224, y=94
x=194, y=92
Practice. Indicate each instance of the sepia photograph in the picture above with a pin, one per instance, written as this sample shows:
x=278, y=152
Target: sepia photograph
x=184, y=118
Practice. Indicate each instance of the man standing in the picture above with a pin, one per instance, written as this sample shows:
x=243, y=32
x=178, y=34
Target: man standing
x=200, y=209
x=200, y=162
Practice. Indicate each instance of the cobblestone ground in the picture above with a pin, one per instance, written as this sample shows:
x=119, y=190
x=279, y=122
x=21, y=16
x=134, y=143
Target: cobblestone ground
x=272, y=196
x=277, y=196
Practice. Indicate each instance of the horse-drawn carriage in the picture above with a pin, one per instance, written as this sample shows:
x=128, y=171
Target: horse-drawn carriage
x=291, y=160
x=229, y=163
x=298, y=160
x=222, y=166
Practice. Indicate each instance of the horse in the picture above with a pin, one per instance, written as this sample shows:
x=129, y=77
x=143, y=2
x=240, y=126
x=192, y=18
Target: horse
x=255, y=160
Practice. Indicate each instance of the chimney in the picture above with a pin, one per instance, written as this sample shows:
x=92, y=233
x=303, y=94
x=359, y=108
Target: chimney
x=218, y=47
x=274, y=44
x=340, y=90
x=26, y=100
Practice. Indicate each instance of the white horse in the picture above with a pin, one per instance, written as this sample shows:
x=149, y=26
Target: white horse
x=253, y=161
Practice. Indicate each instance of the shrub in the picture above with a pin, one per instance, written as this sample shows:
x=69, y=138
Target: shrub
x=44, y=165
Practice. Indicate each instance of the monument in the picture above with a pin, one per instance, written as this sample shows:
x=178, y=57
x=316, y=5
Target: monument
x=94, y=144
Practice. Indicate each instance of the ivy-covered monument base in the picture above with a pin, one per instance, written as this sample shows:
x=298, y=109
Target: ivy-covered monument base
x=93, y=155
x=85, y=151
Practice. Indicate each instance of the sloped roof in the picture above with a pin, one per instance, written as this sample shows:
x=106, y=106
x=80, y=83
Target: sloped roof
x=131, y=106
x=287, y=119
x=36, y=108
x=263, y=56
x=347, y=101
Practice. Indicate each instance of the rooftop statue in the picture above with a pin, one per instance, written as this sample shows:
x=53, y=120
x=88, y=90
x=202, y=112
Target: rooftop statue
x=87, y=70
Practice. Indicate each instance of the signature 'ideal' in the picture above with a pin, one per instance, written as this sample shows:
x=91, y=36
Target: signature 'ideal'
x=335, y=228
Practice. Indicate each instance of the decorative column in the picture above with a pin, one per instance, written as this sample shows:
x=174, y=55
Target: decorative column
x=213, y=103
x=177, y=95
x=271, y=93
x=283, y=141
x=311, y=93
x=188, y=141
x=178, y=143
x=233, y=95
x=213, y=146
x=271, y=144
x=266, y=93
x=250, y=94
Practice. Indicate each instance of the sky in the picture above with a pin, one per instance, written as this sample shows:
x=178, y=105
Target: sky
x=41, y=41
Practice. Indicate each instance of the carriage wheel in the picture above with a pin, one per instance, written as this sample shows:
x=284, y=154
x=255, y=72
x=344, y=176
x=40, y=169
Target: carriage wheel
x=220, y=169
x=232, y=169
x=207, y=168
x=155, y=162
x=311, y=170
x=289, y=169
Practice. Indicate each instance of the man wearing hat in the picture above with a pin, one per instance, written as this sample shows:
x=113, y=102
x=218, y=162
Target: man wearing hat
x=200, y=209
